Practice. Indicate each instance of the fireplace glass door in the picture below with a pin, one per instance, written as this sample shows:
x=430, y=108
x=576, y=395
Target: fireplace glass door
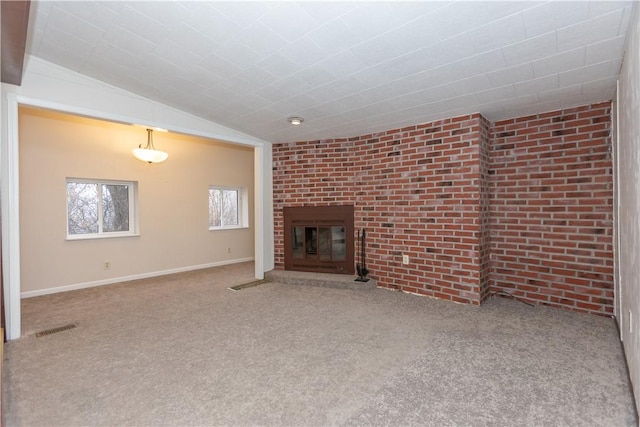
x=321, y=243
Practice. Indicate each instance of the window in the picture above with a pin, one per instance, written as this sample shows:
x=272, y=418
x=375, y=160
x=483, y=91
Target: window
x=100, y=208
x=227, y=208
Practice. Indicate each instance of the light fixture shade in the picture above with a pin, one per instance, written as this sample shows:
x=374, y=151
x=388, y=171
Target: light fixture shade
x=149, y=153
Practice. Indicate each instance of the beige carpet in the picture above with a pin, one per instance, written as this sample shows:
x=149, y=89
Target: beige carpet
x=185, y=350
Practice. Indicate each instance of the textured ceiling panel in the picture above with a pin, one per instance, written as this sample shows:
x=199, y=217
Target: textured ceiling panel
x=348, y=68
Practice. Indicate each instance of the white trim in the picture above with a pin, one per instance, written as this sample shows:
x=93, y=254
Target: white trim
x=115, y=235
x=76, y=286
x=617, y=278
x=11, y=220
x=259, y=210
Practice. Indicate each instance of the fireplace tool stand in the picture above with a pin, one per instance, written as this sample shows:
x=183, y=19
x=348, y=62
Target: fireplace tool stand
x=361, y=265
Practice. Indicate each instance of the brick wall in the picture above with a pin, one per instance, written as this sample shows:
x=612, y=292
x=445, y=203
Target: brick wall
x=551, y=208
x=415, y=190
x=485, y=209
x=316, y=173
x=418, y=194
x=523, y=206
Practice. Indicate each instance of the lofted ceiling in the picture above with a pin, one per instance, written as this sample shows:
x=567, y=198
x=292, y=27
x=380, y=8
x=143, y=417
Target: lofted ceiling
x=347, y=68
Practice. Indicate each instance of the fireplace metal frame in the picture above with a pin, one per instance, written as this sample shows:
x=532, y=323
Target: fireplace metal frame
x=319, y=216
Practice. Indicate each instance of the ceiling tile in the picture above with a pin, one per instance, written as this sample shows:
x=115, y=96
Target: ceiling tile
x=55, y=51
x=256, y=77
x=410, y=10
x=176, y=54
x=597, y=8
x=210, y=22
x=370, y=20
x=449, y=51
x=124, y=39
x=289, y=20
x=101, y=16
x=500, y=9
x=315, y=76
x=334, y=36
x=479, y=64
x=590, y=72
x=422, y=97
x=416, y=34
x=606, y=49
x=375, y=51
x=285, y=88
x=279, y=65
x=470, y=84
x=492, y=36
x=590, y=31
x=342, y=64
x=550, y=16
x=220, y=66
x=192, y=40
x=238, y=54
x=77, y=28
x=323, y=12
x=530, y=49
x=350, y=67
x=243, y=14
x=560, y=62
x=504, y=76
x=303, y=52
x=261, y=39
x=537, y=85
x=459, y=17
x=335, y=90
x=204, y=77
x=166, y=13
x=140, y=24
x=600, y=89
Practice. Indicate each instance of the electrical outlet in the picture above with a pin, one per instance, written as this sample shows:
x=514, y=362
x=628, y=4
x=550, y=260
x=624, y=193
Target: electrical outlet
x=107, y=265
x=405, y=259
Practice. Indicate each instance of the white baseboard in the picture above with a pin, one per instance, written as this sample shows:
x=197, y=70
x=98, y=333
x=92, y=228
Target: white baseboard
x=113, y=280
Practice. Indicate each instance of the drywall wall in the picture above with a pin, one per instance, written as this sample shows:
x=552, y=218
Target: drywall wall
x=50, y=86
x=172, y=200
x=628, y=198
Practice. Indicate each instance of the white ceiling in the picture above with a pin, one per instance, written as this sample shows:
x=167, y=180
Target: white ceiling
x=348, y=68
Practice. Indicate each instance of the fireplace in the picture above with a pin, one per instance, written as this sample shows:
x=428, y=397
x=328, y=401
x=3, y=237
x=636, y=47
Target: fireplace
x=319, y=239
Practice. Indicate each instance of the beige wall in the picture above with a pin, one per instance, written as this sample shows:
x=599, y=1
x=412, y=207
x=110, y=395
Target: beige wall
x=172, y=200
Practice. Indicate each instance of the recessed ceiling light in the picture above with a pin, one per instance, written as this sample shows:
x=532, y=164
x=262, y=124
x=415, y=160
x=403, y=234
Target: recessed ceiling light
x=296, y=120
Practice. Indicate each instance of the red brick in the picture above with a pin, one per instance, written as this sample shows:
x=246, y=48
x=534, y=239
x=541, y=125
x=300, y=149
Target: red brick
x=550, y=182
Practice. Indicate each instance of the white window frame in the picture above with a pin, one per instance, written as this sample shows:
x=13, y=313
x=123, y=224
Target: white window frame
x=243, y=207
x=133, y=210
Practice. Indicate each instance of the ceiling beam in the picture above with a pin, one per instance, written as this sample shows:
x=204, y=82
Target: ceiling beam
x=14, y=23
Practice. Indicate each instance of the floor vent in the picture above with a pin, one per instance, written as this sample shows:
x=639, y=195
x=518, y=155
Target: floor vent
x=55, y=330
x=248, y=285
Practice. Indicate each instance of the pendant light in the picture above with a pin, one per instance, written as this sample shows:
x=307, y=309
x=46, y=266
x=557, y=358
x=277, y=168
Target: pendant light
x=149, y=153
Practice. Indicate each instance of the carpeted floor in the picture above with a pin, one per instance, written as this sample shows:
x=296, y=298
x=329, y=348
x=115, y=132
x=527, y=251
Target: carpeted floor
x=185, y=350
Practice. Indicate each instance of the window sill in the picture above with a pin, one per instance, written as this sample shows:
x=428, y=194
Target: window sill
x=99, y=237
x=235, y=227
